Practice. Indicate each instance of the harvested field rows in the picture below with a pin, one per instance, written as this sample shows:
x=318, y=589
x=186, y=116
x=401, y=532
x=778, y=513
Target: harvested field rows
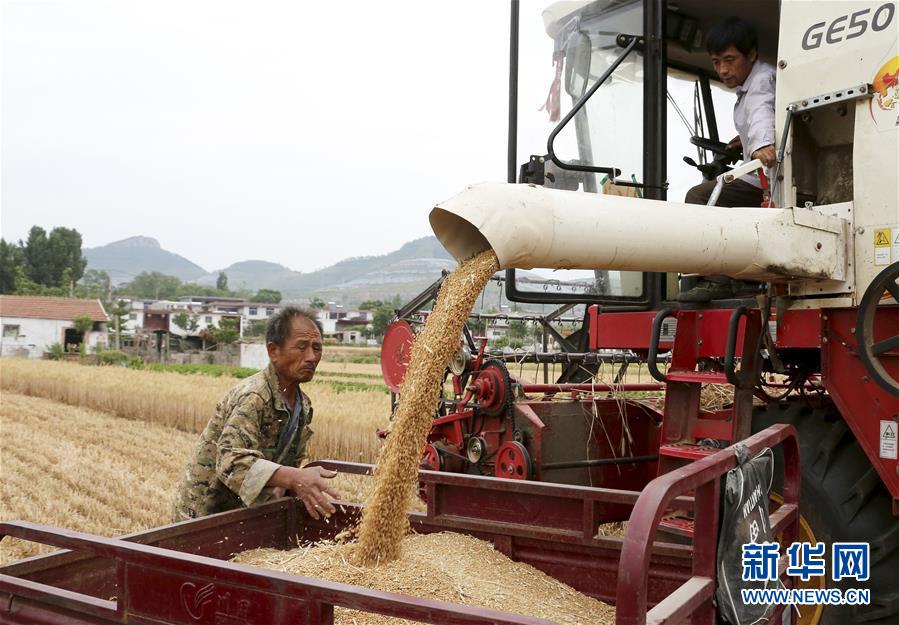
x=92, y=472
x=345, y=423
x=84, y=470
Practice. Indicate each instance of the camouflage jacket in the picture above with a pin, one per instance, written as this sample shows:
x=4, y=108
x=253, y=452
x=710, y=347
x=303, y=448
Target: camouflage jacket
x=235, y=456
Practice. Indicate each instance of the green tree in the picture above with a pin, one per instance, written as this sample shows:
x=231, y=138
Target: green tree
x=477, y=327
x=48, y=257
x=187, y=322
x=537, y=333
x=316, y=302
x=23, y=285
x=222, y=282
x=96, y=284
x=151, y=285
x=382, y=316
x=11, y=259
x=267, y=296
x=191, y=288
x=118, y=318
x=370, y=304
x=227, y=332
x=256, y=328
x=83, y=324
x=37, y=251
x=517, y=330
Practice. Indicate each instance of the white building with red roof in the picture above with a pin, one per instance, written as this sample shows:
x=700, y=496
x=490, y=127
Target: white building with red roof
x=31, y=324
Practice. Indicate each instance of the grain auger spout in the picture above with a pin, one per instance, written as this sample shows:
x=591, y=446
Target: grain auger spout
x=530, y=226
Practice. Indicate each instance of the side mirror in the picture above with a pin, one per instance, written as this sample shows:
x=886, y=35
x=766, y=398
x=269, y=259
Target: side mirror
x=578, y=54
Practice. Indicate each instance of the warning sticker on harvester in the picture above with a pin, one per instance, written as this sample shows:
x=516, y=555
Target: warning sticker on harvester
x=889, y=432
x=883, y=246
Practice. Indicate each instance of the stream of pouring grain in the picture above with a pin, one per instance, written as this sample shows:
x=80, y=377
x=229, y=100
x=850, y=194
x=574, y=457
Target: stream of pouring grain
x=384, y=521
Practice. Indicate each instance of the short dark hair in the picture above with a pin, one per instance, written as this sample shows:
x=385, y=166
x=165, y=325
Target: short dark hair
x=281, y=323
x=732, y=32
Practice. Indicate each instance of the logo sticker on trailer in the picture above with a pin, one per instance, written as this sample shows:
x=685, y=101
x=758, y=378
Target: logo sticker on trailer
x=889, y=432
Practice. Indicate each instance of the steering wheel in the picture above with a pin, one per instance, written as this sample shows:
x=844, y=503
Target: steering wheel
x=724, y=156
x=882, y=293
x=717, y=148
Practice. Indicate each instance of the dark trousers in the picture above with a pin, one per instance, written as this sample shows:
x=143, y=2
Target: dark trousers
x=737, y=193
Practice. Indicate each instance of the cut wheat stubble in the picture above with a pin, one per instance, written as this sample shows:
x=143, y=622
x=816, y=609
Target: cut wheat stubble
x=384, y=520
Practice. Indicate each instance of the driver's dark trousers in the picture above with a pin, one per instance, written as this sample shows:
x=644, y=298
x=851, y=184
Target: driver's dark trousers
x=737, y=193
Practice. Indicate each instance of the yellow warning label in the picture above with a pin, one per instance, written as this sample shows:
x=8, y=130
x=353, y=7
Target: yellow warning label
x=882, y=244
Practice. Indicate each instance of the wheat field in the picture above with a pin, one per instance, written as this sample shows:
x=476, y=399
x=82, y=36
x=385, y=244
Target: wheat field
x=345, y=423
x=84, y=470
x=119, y=440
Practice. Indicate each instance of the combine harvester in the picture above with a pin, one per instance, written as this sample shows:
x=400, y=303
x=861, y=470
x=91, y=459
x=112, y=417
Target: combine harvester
x=827, y=324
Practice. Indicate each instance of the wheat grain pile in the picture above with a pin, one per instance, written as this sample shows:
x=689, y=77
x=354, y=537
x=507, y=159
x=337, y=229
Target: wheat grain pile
x=384, y=521
x=446, y=566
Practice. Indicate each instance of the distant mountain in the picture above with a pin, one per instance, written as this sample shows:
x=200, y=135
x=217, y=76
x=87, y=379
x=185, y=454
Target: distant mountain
x=252, y=275
x=404, y=272
x=124, y=259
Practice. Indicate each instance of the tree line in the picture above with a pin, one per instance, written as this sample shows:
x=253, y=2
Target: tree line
x=53, y=264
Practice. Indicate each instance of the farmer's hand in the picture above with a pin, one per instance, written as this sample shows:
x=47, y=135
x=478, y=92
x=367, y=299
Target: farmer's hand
x=735, y=143
x=766, y=154
x=309, y=485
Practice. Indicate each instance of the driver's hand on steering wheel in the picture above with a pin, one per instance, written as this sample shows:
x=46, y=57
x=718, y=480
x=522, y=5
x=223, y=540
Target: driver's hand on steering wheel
x=767, y=155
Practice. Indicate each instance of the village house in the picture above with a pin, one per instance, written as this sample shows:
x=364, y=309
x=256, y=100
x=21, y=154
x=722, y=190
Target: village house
x=345, y=325
x=206, y=311
x=31, y=324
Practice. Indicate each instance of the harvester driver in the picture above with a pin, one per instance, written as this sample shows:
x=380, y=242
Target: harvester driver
x=733, y=46
x=251, y=449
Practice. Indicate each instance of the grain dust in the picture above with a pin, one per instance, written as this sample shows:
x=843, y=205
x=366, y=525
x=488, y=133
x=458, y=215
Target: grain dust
x=384, y=521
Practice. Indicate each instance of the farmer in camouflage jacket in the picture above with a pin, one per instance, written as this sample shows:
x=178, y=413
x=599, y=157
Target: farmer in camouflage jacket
x=250, y=451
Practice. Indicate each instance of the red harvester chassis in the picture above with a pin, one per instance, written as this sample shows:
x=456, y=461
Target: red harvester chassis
x=178, y=574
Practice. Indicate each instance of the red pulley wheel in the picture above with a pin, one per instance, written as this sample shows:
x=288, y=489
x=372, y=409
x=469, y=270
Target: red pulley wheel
x=430, y=459
x=396, y=350
x=513, y=462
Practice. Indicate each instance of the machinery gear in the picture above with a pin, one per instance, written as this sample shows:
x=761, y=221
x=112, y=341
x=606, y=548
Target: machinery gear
x=492, y=387
x=431, y=459
x=514, y=462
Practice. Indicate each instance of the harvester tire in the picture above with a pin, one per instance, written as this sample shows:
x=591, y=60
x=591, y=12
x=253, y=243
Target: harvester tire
x=843, y=499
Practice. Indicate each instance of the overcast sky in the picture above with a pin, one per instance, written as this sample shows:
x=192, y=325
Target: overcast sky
x=296, y=132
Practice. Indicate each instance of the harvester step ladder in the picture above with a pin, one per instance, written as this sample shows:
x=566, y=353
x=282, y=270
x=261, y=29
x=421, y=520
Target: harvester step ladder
x=701, y=335
x=687, y=451
x=679, y=523
x=703, y=377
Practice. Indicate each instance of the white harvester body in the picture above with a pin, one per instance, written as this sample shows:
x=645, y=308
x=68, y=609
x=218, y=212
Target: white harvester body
x=837, y=71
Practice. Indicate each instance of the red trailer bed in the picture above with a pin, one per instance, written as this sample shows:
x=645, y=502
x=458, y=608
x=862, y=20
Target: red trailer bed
x=179, y=574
